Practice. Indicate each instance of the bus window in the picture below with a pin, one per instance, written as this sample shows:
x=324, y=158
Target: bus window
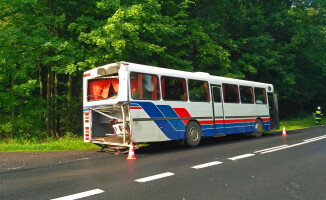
x=198, y=91
x=173, y=89
x=260, y=95
x=99, y=89
x=217, y=94
x=230, y=93
x=246, y=94
x=144, y=86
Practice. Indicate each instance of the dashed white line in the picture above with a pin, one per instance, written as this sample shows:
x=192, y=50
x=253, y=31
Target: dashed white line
x=260, y=151
x=286, y=147
x=207, y=165
x=154, y=177
x=241, y=156
x=315, y=138
x=80, y=195
x=278, y=148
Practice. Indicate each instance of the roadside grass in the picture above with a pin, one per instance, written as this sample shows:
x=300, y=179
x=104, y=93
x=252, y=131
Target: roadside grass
x=72, y=142
x=49, y=144
x=297, y=123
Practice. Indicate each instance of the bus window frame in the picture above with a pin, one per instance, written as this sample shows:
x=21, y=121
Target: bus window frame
x=208, y=86
x=253, y=94
x=158, y=81
x=265, y=97
x=187, y=93
x=225, y=95
x=109, y=76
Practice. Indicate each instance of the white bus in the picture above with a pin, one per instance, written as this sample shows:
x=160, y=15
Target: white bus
x=124, y=102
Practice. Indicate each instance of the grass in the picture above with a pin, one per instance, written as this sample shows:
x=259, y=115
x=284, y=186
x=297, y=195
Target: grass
x=75, y=143
x=297, y=123
x=71, y=142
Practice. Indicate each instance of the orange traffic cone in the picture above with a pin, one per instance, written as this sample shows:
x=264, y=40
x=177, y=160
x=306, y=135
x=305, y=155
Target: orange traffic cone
x=131, y=155
x=284, y=131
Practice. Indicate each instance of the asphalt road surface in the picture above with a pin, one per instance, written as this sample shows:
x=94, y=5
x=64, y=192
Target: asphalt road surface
x=236, y=167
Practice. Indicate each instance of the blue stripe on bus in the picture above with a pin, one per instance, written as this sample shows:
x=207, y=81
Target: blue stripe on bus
x=166, y=127
x=169, y=112
x=134, y=104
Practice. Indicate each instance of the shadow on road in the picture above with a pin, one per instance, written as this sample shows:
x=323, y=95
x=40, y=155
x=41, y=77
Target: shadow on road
x=175, y=146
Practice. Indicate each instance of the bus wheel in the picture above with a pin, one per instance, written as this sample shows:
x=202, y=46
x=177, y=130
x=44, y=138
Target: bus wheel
x=193, y=134
x=258, y=128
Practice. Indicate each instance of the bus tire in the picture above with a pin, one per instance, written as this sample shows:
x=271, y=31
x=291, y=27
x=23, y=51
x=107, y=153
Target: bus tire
x=193, y=134
x=258, y=128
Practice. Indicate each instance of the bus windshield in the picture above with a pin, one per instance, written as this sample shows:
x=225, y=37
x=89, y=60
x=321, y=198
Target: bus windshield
x=104, y=88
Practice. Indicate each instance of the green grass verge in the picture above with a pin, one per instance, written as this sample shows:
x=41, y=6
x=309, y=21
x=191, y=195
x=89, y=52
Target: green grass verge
x=297, y=123
x=76, y=143
x=72, y=142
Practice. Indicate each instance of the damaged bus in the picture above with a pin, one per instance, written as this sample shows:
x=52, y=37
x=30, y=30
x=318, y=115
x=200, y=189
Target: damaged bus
x=125, y=102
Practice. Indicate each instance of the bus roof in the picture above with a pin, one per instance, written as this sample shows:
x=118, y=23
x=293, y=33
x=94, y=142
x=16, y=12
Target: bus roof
x=184, y=74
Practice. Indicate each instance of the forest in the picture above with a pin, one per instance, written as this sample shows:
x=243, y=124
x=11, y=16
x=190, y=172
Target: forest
x=46, y=45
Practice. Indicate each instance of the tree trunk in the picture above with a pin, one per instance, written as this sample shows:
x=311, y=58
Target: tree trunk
x=48, y=102
x=40, y=79
x=56, y=120
x=69, y=88
x=12, y=96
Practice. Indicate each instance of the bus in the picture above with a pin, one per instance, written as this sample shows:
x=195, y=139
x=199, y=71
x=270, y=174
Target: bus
x=125, y=102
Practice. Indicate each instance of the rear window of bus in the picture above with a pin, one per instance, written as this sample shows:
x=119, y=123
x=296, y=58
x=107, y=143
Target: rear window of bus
x=99, y=89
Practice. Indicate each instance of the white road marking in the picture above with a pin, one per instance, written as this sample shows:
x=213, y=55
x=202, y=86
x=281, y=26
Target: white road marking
x=315, y=138
x=80, y=195
x=286, y=147
x=278, y=148
x=271, y=148
x=241, y=156
x=151, y=178
x=207, y=165
x=297, y=144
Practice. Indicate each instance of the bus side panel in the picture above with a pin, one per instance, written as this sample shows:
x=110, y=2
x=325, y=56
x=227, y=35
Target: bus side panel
x=263, y=110
x=239, y=118
x=146, y=129
x=208, y=129
x=145, y=113
x=267, y=123
x=203, y=113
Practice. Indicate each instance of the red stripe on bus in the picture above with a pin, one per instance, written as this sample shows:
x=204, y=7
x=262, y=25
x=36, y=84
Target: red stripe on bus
x=206, y=122
x=239, y=120
x=135, y=107
x=231, y=121
x=182, y=112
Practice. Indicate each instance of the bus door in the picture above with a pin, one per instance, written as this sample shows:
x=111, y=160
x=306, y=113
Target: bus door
x=218, y=111
x=273, y=111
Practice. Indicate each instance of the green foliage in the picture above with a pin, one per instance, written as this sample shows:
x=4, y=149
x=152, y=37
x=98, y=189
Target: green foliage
x=46, y=45
x=303, y=121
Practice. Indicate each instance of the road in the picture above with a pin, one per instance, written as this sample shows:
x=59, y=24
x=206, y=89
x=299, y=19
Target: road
x=236, y=167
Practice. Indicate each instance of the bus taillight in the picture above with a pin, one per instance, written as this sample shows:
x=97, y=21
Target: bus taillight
x=86, y=125
x=88, y=74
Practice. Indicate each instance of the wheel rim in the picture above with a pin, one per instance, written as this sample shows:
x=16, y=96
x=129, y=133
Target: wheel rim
x=193, y=134
x=258, y=127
